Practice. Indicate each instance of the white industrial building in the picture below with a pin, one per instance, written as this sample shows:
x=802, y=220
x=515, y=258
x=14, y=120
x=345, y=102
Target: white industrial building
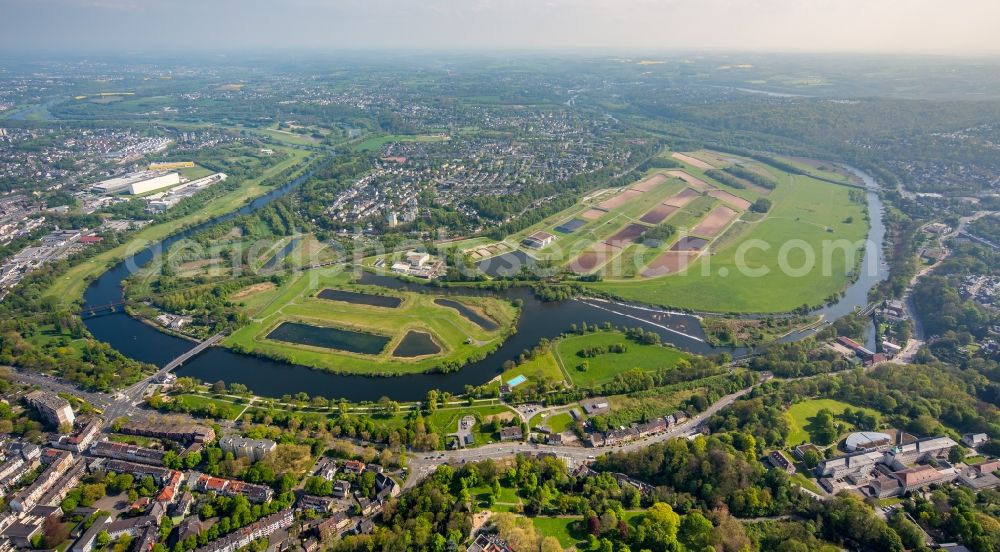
x=155, y=183
x=137, y=182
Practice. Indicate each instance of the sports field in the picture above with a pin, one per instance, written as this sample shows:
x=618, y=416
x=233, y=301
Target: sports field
x=298, y=308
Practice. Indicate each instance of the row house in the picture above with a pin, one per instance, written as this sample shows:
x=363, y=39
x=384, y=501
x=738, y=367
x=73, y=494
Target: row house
x=127, y=452
x=86, y=431
x=246, y=535
x=175, y=432
x=160, y=475
x=233, y=487
x=26, y=498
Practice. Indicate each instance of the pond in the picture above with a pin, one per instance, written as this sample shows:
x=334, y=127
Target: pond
x=483, y=322
x=358, y=298
x=329, y=338
x=416, y=344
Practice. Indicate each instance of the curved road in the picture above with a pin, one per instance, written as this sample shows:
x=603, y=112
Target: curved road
x=423, y=464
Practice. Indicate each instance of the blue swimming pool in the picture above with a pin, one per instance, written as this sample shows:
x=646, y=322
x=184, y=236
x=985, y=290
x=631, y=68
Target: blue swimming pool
x=514, y=382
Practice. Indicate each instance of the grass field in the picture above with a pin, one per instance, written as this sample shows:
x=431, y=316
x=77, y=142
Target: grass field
x=195, y=172
x=445, y=421
x=569, y=531
x=801, y=413
x=287, y=137
x=459, y=338
x=559, y=422
x=806, y=210
x=603, y=368
x=69, y=287
x=543, y=367
x=376, y=142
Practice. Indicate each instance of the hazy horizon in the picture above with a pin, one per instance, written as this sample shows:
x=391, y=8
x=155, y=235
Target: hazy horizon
x=965, y=27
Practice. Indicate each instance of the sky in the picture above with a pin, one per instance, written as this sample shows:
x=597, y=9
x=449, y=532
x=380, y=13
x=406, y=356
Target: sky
x=945, y=27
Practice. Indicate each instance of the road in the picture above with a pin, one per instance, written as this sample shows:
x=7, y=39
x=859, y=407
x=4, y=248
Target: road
x=136, y=391
x=122, y=403
x=423, y=464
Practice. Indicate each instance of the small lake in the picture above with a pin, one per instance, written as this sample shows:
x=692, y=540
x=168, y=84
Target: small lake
x=416, y=344
x=483, y=322
x=358, y=298
x=329, y=338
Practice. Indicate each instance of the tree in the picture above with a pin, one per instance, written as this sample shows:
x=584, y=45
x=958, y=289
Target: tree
x=823, y=430
x=103, y=539
x=219, y=387
x=659, y=527
x=762, y=205
x=811, y=458
x=696, y=531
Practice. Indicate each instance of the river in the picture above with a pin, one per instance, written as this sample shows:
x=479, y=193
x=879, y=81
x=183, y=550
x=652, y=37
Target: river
x=538, y=319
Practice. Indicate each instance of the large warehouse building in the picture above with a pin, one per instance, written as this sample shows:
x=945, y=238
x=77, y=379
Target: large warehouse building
x=137, y=183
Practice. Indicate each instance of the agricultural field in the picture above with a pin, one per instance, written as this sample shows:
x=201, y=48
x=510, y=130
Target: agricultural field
x=800, y=417
x=726, y=275
x=593, y=232
x=410, y=333
x=288, y=137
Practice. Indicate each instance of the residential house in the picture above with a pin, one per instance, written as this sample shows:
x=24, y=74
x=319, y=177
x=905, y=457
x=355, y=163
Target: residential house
x=781, y=462
x=511, y=433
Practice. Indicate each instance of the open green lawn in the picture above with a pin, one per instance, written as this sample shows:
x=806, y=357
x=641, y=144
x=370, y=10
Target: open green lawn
x=603, y=368
x=566, y=530
x=543, y=367
x=376, y=142
x=69, y=287
x=809, y=211
x=570, y=531
x=807, y=483
x=559, y=422
x=801, y=413
x=445, y=420
x=287, y=137
x=459, y=338
x=195, y=172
